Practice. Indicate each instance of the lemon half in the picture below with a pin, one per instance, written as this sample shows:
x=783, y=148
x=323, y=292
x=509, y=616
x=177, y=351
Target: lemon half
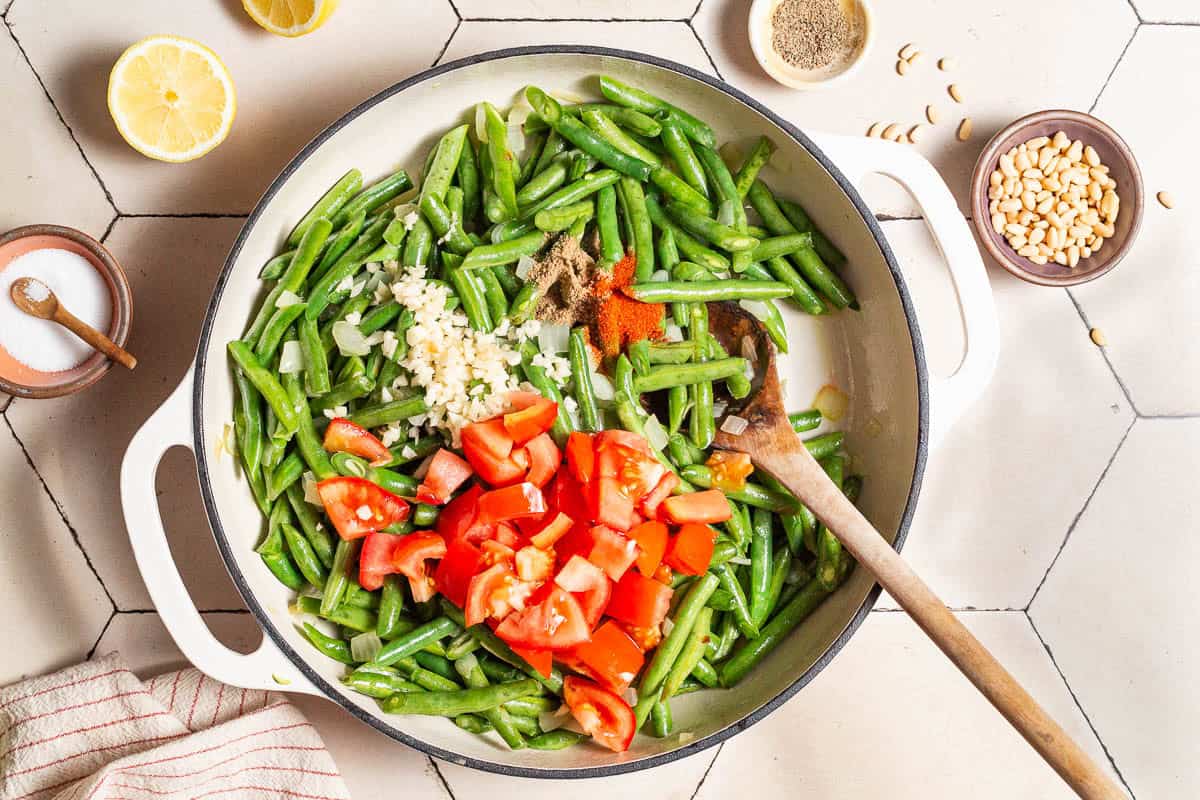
x=290, y=17
x=171, y=98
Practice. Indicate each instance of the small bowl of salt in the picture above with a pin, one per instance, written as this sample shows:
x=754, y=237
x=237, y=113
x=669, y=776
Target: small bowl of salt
x=810, y=44
x=40, y=358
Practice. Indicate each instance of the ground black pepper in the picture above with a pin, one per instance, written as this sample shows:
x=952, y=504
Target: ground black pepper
x=811, y=34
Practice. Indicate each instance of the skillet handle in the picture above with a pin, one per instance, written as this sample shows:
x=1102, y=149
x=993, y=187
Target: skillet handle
x=266, y=668
x=951, y=395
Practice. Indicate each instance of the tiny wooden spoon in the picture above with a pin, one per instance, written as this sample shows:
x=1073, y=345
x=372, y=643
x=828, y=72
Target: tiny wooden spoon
x=775, y=449
x=36, y=299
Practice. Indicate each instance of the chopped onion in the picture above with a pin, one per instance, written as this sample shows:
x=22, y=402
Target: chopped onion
x=516, y=140
x=420, y=472
x=227, y=443
x=365, y=646
x=739, y=560
x=667, y=626
x=725, y=213
x=309, y=482
x=756, y=307
x=287, y=298
x=832, y=402
x=660, y=276
x=349, y=339
x=673, y=333
x=355, y=468
x=630, y=696
x=686, y=736
x=719, y=408
x=553, y=336
x=749, y=351
x=519, y=113
x=656, y=434
x=291, y=358
x=524, y=265
x=602, y=387
x=481, y=124
x=403, y=210
x=466, y=665
x=558, y=718
x=734, y=425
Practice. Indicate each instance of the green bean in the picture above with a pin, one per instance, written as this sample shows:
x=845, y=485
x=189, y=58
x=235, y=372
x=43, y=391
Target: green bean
x=722, y=236
x=544, y=182
x=611, y=249
x=276, y=326
x=610, y=132
x=266, y=383
x=285, y=474
x=722, y=644
x=636, y=121
x=738, y=524
x=344, y=556
x=414, y=450
x=248, y=423
x=395, y=482
x=329, y=205
x=584, y=138
x=292, y=279
x=415, y=640
x=559, y=739
x=547, y=388
x=337, y=649
x=275, y=266
x=501, y=159
x=356, y=619
x=852, y=487
x=666, y=376
x=462, y=701
x=472, y=294
x=783, y=623
x=781, y=565
x=497, y=670
x=684, y=241
x=468, y=667
x=706, y=291
x=461, y=645
x=740, y=605
x=830, y=554
x=661, y=722
x=805, y=420
x=377, y=416
x=752, y=494
x=418, y=247
x=427, y=679
x=496, y=646
x=825, y=445
x=373, y=197
x=375, y=684
x=685, y=158
x=581, y=164
x=690, y=655
x=581, y=373
x=319, y=539
x=493, y=293
x=678, y=406
x=469, y=179
x=274, y=554
x=799, y=218
x=341, y=242
x=641, y=240
x=524, y=305
x=626, y=95
x=755, y=161
x=737, y=384
x=760, y=564
x=395, y=232
x=530, y=706
x=320, y=295
x=436, y=662
x=679, y=190
x=554, y=147
x=446, y=224
x=316, y=363
x=781, y=246
x=683, y=452
x=802, y=294
x=508, y=280
x=506, y=252
x=664, y=657
x=533, y=154
x=553, y=220
x=424, y=515
x=343, y=392
x=472, y=723
x=573, y=192
x=359, y=597
x=671, y=352
x=391, y=608
x=705, y=673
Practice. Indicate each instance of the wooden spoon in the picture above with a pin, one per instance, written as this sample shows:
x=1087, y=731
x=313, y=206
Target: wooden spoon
x=36, y=299
x=775, y=449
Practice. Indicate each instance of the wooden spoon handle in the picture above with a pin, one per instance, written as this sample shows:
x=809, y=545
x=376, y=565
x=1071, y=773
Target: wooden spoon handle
x=804, y=478
x=94, y=337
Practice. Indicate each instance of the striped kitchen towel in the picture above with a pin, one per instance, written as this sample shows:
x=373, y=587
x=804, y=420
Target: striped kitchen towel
x=97, y=732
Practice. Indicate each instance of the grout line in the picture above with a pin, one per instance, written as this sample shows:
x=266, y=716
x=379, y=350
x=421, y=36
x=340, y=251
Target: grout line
x=695, y=10
x=454, y=8
x=1116, y=64
x=1133, y=7
x=704, y=777
x=182, y=215
x=902, y=218
x=704, y=47
x=103, y=631
x=573, y=19
x=1166, y=23
x=1079, y=515
x=74, y=534
x=1079, y=706
x=112, y=223
x=958, y=610
x=441, y=53
x=438, y=771
x=200, y=610
x=70, y=132
x=5, y=402
x=1104, y=354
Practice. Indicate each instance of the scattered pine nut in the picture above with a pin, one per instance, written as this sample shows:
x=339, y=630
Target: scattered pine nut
x=914, y=58
x=946, y=64
x=1098, y=337
x=902, y=67
x=876, y=130
x=964, y=129
x=955, y=92
x=1166, y=200
x=915, y=133
x=892, y=132
x=931, y=114
x=907, y=51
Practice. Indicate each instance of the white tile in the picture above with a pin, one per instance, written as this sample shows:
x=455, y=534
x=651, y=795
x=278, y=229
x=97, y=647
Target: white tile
x=891, y=717
x=979, y=41
x=1167, y=10
x=576, y=9
x=674, y=781
x=147, y=647
x=673, y=40
x=53, y=605
x=1145, y=305
x=1001, y=491
x=77, y=442
x=288, y=89
x=44, y=178
x=1117, y=610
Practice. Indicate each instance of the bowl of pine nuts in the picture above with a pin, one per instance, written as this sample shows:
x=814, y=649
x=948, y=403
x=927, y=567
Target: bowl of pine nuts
x=1057, y=198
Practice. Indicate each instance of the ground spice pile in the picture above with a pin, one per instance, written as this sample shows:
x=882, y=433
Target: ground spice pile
x=811, y=34
x=621, y=319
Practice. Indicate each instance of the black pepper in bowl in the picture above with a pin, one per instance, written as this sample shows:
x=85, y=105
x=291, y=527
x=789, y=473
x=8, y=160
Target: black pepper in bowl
x=812, y=34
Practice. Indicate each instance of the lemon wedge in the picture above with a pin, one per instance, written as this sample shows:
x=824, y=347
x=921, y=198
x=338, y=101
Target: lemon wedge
x=171, y=98
x=290, y=17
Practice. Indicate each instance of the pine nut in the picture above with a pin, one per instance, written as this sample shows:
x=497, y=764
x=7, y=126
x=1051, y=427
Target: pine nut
x=1097, y=337
x=902, y=67
x=1061, y=141
x=1029, y=199
x=1017, y=241
x=876, y=130
x=1027, y=251
x=1060, y=258
x=955, y=92
x=892, y=132
x=1022, y=161
x=931, y=114
x=907, y=51
x=1091, y=156
x=1038, y=142
x=964, y=129
x=946, y=64
x=1025, y=217
x=915, y=57
x=1011, y=204
x=1075, y=151
x=1166, y=200
x=1096, y=245
x=1040, y=260
x=998, y=223
x=915, y=133
x=1007, y=167
x=1072, y=256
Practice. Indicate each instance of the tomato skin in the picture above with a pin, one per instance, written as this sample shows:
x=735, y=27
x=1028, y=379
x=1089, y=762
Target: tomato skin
x=459, y=514
x=511, y=502
x=708, y=507
x=410, y=552
x=344, y=436
x=488, y=437
x=581, y=456
x=495, y=471
x=652, y=501
x=344, y=497
x=690, y=550
x=589, y=584
x=640, y=601
x=611, y=657
x=600, y=712
x=611, y=505
x=494, y=593
x=454, y=572
x=620, y=438
x=612, y=552
x=566, y=495
x=544, y=459
x=534, y=419
x=555, y=623
x=652, y=538
x=730, y=469
x=375, y=560
x=541, y=660
x=446, y=473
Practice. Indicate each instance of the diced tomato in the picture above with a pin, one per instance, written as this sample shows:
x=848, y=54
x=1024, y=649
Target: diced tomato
x=552, y=531
x=611, y=657
x=611, y=505
x=601, y=713
x=495, y=593
x=409, y=556
x=536, y=418
x=446, y=473
x=489, y=437
x=566, y=494
x=511, y=502
x=620, y=438
x=343, y=436
x=496, y=471
x=375, y=560
x=576, y=542
x=594, y=600
x=533, y=564
x=496, y=552
x=709, y=507
x=358, y=507
x=690, y=550
x=544, y=459
x=652, y=501
x=611, y=551
x=589, y=584
x=581, y=456
x=569, y=660
x=459, y=514
x=506, y=534
x=729, y=469
x=541, y=660
x=664, y=574
x=455, y=570
x=555, y=623
x=645, y=638
x=640, y=601
x=651, y=537
x=520, y=457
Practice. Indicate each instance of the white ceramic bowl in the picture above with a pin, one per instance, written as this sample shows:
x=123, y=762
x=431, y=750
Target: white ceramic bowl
x=874, y=354
x=760, y=28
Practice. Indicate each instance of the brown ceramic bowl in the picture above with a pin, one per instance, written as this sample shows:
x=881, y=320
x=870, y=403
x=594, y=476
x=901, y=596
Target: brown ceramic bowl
x=21, y=381
x=1113, y=152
